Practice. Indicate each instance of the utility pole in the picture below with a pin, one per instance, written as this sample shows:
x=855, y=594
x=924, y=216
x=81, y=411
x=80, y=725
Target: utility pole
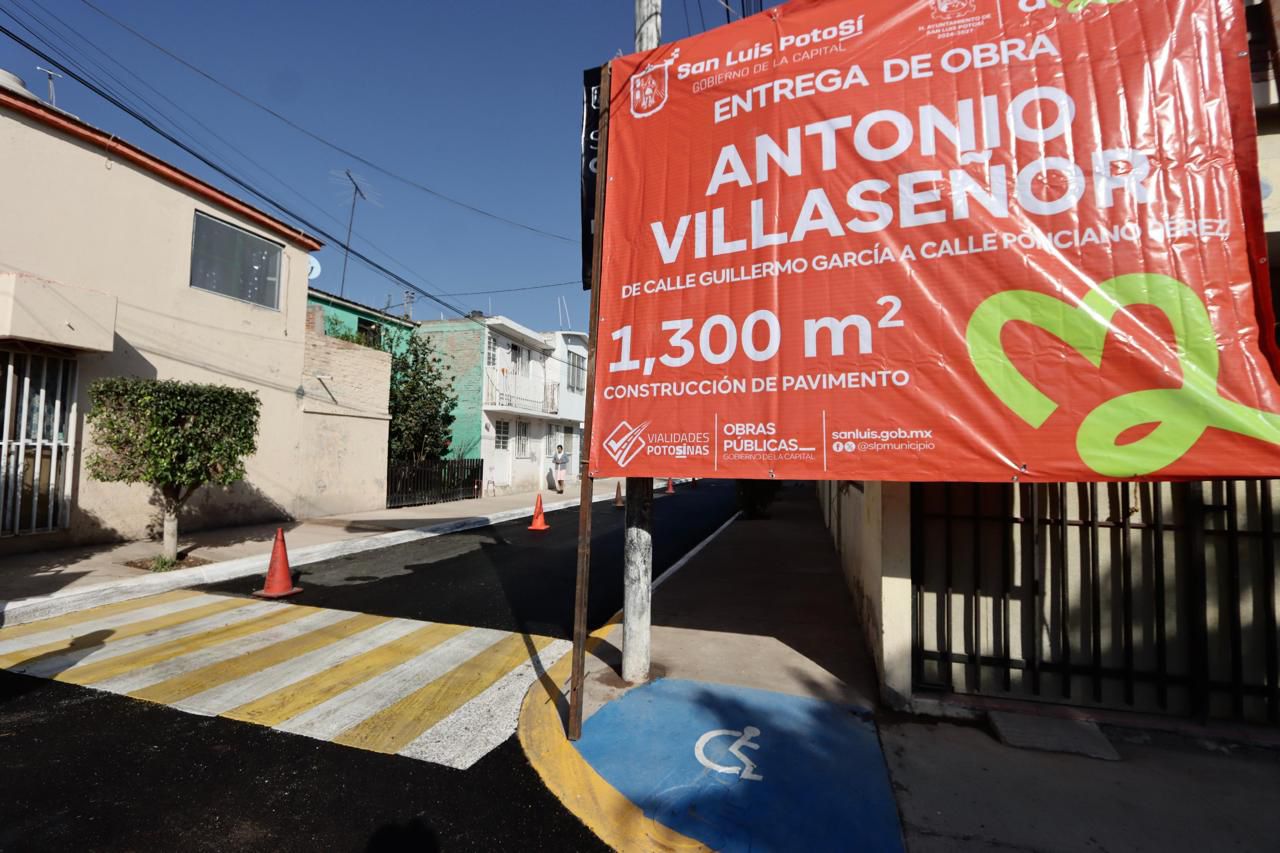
x=356, y=192
x=53, y=96
x=638, y=539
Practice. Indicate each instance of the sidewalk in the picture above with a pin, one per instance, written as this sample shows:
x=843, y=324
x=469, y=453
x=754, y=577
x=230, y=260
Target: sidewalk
x=754, y=734
x=26, y=577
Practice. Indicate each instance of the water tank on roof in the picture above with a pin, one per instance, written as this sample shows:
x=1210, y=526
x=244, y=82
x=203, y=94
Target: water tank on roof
x=12, y=82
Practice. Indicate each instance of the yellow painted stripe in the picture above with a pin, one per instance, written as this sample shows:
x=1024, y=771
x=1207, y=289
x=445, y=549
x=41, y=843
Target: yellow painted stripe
x=213, y=675
x=395, y=726
x=106, y=636
x=289, y=701
x=101, y=670
x=618, y=822
x=12, y=632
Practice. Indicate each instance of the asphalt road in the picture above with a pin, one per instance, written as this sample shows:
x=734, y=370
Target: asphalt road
x=96, y=771
x=507, y=576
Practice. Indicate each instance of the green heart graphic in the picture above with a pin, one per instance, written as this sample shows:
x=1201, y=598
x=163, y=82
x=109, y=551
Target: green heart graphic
x=1181, y=414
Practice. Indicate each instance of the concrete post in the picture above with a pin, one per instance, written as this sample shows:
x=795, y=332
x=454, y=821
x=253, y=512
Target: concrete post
x=637, y=556
x=637, y=549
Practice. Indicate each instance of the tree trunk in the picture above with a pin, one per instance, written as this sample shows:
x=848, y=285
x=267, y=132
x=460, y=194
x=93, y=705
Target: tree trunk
x=170, y=551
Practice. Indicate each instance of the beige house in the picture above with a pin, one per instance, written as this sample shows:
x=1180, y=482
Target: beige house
x=115, y=263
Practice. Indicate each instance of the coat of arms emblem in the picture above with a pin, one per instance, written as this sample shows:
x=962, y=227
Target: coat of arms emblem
x=649, y=90
x=954, y=8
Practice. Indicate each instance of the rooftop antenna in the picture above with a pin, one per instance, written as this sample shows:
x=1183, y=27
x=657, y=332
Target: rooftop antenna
x=568, y=320
x=53, y=97
x=356, y=192
x=409, y=296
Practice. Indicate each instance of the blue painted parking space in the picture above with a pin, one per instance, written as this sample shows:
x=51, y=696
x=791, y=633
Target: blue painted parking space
x=746, y=770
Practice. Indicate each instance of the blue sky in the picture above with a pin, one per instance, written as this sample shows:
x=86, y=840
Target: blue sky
x=479, y=101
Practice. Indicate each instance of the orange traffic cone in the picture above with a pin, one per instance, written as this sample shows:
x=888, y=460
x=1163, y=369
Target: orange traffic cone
x=618, y=502
x=279, y=579
x=539, y=520
x=671, y=486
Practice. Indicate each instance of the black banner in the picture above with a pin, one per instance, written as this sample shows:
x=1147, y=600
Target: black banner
x=590, y=152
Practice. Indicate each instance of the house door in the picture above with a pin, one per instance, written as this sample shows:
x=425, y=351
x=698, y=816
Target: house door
x=37, y=441
x=500, y=471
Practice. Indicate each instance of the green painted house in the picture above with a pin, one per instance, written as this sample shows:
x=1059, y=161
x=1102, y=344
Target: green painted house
x=347, y=317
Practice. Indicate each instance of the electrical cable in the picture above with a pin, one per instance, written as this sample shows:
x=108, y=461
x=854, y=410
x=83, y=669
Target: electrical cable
x=262, y=169
x=310, y=226
x=333, y=145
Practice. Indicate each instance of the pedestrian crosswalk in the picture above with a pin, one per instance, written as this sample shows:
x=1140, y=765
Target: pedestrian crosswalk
x=442, y=693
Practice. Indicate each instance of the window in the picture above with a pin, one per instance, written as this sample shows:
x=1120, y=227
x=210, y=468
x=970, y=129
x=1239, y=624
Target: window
x=369, y=333
x=491, y=351
x=568, y=443
x=235, y=263
x=577, y=372
x=522, y=439
x=554, y=437
x=501, y=435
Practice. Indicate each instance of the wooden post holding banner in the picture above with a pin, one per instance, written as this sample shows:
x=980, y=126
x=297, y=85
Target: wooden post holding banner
x=587, y=482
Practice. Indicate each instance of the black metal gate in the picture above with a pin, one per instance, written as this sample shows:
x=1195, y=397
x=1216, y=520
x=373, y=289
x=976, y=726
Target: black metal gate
x=1156, y=597
x=433, y=481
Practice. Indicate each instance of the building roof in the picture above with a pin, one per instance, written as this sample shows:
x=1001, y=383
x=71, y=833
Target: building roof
x=333, y=298
x=69, y=125
x=523, y=334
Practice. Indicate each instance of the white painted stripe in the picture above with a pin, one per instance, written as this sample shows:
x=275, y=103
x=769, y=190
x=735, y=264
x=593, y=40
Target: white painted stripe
x=67, y=632
x=329, y=719
x=50, y=666
x=683, y=561
x=233, y=694
x=471, y=732
x=218, y=652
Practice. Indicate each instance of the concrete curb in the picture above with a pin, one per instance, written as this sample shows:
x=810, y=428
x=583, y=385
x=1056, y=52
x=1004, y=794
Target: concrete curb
x=23, y=610
x=614, y=819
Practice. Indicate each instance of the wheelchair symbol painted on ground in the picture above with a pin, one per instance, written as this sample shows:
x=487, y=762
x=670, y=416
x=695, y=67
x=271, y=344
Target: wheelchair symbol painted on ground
x=744, y=741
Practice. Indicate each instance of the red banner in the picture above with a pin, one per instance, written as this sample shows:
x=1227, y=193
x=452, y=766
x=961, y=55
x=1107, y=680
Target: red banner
x=947, y=240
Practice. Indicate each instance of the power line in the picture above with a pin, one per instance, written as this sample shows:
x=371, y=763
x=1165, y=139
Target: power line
x=333, y=145
x=262, y=169
x=514, y=289
x=83, y=68
x=226, y=173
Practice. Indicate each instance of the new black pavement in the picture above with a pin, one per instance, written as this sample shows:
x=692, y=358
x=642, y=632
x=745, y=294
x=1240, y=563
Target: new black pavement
x=507, y=576
x=86, y=770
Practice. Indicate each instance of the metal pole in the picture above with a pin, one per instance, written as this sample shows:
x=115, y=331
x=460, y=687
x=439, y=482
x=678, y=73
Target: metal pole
x=587, y=484
x=53, y=95
x=637, y=570
x=356, y=192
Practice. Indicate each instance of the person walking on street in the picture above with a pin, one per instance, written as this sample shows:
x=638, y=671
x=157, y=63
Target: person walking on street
x=560, y=462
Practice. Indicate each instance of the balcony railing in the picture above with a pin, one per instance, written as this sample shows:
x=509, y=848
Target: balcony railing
x=509, y=391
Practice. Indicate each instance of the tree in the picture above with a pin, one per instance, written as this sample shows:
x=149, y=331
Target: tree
x=421, y=404
x=172, y=436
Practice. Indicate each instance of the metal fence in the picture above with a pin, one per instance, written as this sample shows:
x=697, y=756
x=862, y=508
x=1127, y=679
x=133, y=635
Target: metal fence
x=1158, y=597
x=435, y=481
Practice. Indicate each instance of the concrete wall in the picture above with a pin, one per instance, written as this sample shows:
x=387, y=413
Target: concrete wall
x=344, y=427
x=870, y=523
x=74, y=215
